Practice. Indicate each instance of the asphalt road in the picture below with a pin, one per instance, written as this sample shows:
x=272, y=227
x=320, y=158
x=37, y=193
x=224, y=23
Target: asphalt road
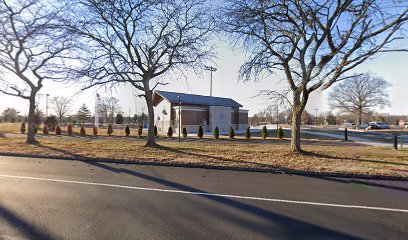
x=58, y=199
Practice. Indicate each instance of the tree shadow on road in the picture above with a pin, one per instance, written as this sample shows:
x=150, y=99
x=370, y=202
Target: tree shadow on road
x=288, y=226
x=23, y=226
x=319, y=155
x=365, y=182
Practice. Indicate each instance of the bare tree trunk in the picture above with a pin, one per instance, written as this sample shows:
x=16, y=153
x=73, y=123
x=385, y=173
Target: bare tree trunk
x=149, y=101
x=296, y=123
x=31, y=122
x=360, y=113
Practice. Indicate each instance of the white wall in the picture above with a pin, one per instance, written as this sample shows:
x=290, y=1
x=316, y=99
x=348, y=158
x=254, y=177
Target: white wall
x=220, y=117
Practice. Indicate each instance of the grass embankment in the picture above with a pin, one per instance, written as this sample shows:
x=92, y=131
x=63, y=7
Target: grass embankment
x=325, y=156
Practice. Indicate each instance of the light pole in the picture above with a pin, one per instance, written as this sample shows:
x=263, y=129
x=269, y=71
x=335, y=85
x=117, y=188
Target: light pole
x=179, y=116
x=277, y=117
x=46, y=102
x=316, y=115
x=211, y=69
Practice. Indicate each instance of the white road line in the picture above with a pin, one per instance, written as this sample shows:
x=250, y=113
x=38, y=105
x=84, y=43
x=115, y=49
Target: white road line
x=212, y=194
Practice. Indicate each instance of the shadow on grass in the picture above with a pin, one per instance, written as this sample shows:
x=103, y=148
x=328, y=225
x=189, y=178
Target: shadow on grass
x=229, y=161
x=287, y=226
x=23, y=226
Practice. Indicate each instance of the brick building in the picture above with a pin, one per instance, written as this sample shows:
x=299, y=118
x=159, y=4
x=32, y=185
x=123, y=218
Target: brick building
x=196, y=110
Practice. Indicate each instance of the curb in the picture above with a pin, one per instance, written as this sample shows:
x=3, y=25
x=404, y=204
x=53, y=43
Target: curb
x=204, y=166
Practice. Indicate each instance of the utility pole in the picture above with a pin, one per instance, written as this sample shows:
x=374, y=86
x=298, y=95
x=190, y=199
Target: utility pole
x=179, y=116
x=46, y=104
x=277, y=117
x=316, y=116
x=211, y=69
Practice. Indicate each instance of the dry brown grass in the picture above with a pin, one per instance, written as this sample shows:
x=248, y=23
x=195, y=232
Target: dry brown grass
x=10, y=127
x=324, y=156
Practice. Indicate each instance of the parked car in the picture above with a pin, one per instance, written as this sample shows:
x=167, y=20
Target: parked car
x=349, y=124
x=362, y=126
x=377, y=125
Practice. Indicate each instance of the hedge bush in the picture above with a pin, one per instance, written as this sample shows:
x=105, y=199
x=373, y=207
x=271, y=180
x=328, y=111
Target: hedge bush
x=95, y=131
x=216, y=133
x=23, y=128
x=140, y=130
x=264, y=132
x=58, y=130
x=127, y=131
x=200, y=133
x=82, y=131
x=69, y=129
x=170, y=132
x=45, y=130
x=280, y=133
x=155, y=130
x=231, y=133
x=248, y=133
x=185, y=132
x=110, y=129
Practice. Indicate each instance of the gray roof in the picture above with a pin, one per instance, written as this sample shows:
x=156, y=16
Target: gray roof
x=198, y=99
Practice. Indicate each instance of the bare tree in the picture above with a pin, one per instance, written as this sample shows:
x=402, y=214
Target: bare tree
x=313, y=44
x=136, y=42
x=359, y=95
x=108, y=107
x=61, y=106
x=32, y=47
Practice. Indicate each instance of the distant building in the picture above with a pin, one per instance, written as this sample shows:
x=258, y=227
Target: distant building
x=196, y=110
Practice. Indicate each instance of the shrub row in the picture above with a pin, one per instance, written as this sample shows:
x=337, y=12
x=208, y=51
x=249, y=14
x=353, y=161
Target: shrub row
x=200, y=132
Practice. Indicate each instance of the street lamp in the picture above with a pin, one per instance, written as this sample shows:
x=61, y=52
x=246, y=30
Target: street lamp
x=46, y=102
x=211, y=69
x=179, y=116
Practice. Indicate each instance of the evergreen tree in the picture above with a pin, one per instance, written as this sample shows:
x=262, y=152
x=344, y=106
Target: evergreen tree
x=231, y=133
x=119, y=118
x=280, y=133
x=155, y=131
x=264, y=132
x=248, y=133
x=170, y=132
x=140, y=130
x=127, y=131
x=216, y=133
x=200, y=133
x=22, y=128
x=82, y=131
x=185, y=132
x=110, y=129
x=83, y=114
x=45, y=130
x=69, y=129
x=58, y=130
x=95, y=131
